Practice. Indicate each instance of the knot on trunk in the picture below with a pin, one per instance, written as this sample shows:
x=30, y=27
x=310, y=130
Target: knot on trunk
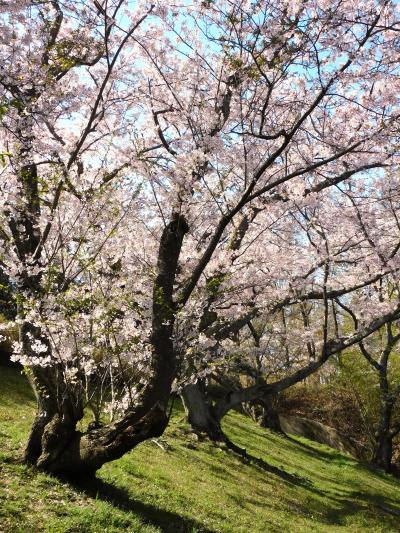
x=178, y=225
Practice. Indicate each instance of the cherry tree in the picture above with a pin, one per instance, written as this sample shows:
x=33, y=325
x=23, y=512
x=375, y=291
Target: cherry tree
x=381, y=349
x=289, y=336
x=381, y=353
x=141, y=147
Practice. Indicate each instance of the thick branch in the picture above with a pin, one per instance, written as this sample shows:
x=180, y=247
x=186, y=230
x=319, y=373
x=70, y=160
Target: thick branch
x=333, y=346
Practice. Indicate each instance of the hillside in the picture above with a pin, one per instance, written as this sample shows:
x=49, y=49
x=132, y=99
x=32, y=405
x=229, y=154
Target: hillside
x=177, y=484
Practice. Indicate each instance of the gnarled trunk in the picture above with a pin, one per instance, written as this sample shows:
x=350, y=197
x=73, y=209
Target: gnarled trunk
x=268, y=416
x=52, y=429
x=84, y=453
x=55, y=445
x=199, y=411
x=59, y=409
x=203, y=419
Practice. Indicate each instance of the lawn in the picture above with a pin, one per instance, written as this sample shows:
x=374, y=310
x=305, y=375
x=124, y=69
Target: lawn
x=178, y=484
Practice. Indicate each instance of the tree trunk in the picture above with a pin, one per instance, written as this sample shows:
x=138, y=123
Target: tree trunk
x=263, y=412
x=54, y=444
x=383, y=438
x=83, y=453
x=199, y=411
x=59, y=409
x=383, y=453
x=269, y=417
x=202, y=418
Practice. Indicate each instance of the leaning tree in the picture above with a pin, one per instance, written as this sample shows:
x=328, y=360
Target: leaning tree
x=308, y=260
x=381, y=352
x=134, y=141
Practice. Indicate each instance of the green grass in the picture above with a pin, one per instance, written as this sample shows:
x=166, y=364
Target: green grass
x=296, y=486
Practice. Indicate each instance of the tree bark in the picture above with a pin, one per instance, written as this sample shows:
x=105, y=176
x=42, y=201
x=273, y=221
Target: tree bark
x=54, y=444
x=59, y=409
x=382, y=457
x=269, y=417
x=199, y=411
x=202, y=418
x=384, y=438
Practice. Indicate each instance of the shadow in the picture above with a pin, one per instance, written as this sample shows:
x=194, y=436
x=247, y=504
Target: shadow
x=342, y=458
x=14, y=386
x=395, y=472
x=17, y=459
x=167, y=521
x=246, y=458
x=259, y=463
x=368, y=505
x=334, y=455
x=376, y=501
x=378, y=472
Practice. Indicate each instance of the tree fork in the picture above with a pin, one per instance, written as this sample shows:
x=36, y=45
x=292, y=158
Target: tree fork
x=77, y=453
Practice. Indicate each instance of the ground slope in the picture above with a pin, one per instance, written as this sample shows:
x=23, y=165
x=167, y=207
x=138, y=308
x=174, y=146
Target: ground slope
x=177, y=484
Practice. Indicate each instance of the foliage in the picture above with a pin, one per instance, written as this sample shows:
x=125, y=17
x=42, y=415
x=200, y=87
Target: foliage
x=356, y=375
x=224, y=160
x=8, y=335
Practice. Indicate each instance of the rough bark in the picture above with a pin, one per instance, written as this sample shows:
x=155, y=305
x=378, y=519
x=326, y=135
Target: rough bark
x=59, y=409
x=199, y=411
x=382, y=457
x=383, y=452
x=55, y=445
x=87, y=452
x=268, y=416
x=202, y=418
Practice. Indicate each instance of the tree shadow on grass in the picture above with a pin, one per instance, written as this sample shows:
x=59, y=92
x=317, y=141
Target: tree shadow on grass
x=377, y=501
x=294, y=479
x=318, y=453
x=168, y=521
x=366, y=505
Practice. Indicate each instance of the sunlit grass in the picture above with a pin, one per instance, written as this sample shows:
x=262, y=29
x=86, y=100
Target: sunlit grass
x=178, y=484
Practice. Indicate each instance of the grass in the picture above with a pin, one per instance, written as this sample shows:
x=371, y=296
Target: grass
x=189, y=486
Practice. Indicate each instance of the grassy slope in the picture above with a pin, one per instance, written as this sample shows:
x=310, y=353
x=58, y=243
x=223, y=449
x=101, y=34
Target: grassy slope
x=297, y=485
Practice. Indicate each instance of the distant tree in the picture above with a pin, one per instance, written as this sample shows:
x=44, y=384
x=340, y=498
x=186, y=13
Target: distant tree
x=273, y=347
x=382, y=398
